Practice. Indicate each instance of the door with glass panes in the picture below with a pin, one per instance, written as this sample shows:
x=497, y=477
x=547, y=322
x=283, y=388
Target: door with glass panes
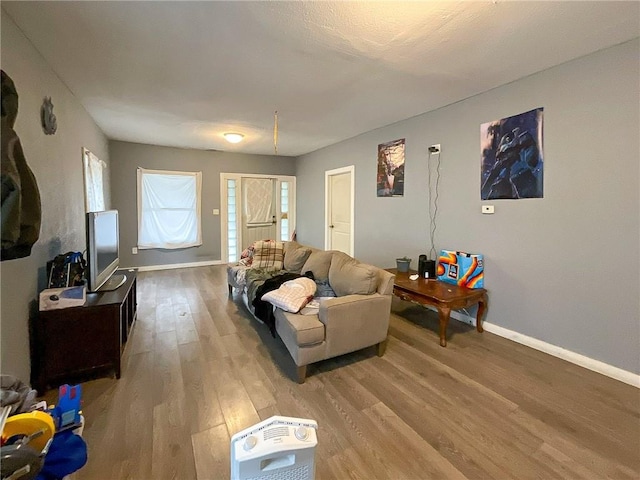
x=255, y=207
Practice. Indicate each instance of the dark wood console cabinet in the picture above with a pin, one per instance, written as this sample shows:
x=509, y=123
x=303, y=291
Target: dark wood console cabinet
x=79, y=343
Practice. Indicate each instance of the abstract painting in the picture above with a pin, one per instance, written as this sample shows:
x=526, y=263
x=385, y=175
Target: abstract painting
x=512, y=157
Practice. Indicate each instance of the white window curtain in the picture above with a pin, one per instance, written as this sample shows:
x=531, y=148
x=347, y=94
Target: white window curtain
x=258, y=199
x=93, y=183
x=169, y=209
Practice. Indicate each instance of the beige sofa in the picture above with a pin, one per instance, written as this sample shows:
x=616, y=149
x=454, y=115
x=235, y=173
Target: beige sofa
x=358, y=317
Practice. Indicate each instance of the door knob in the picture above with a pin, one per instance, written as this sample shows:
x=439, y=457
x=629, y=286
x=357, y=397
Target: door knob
x=330, y=226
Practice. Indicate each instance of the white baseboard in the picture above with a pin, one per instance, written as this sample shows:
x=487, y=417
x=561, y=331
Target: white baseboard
x=586, y=362
x=149, y=268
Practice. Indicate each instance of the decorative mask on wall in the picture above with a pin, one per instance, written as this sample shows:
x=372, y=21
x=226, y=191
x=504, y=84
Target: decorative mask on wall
x=49, y=124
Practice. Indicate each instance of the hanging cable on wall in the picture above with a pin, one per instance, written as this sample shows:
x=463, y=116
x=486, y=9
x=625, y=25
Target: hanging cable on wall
x=433, y=199
x=275, y=132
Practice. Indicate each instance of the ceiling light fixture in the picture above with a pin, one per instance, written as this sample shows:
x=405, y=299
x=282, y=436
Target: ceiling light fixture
x=233, y=137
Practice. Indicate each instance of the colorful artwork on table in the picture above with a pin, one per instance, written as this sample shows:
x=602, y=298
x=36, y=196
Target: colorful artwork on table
x=390, y=178
x=460, y=268
x=512, y=157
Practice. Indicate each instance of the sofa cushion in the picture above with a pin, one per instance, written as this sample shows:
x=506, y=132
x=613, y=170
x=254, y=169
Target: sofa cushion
x=292, y=295
x=348, y=276
x=268, y=254
x=318, y=263
x=301, y=330
x=295, y=255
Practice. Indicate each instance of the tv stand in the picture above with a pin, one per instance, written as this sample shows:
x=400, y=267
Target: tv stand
x=74, y=344
x=114, y=282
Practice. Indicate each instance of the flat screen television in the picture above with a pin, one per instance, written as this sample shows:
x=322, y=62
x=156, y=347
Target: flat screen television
x=103, y=251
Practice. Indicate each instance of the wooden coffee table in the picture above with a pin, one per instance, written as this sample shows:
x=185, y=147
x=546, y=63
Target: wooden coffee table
x=444, y=296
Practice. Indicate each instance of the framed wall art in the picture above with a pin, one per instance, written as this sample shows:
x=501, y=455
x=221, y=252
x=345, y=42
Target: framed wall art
x=512, y=157
x=390, y=178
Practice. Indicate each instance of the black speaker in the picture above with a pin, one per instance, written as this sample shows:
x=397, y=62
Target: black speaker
x=422, y=265
x=426, y=268
x=431, y=269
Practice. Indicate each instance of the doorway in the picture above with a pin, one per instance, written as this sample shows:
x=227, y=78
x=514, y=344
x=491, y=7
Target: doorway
x=339, y=209
x=254, y=207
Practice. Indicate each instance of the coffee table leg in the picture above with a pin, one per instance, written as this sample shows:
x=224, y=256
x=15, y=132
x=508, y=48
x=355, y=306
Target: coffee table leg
x=443, y=313
x=482, y=306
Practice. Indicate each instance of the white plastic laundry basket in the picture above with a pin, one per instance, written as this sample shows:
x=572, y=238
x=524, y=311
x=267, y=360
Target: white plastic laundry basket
x=279, y=448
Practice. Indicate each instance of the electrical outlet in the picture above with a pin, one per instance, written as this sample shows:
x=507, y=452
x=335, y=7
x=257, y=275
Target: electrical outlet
x=134, y=250
x=434, y=149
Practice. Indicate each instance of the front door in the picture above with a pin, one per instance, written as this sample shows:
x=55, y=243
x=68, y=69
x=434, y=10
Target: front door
x=339, y=210
x=258, y=209
x=255, y=207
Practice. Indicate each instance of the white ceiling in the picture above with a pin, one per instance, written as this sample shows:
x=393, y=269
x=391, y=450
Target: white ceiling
x=183, y=73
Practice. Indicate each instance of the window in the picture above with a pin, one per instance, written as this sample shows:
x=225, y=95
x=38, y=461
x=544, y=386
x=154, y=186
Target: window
x=169, y=209
x=93, y=184
x=284, y=211
x=232, y=225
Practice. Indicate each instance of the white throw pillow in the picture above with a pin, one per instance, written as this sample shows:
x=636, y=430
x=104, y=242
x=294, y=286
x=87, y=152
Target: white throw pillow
x=292, y=295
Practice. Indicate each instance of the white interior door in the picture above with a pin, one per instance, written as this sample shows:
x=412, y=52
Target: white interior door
x=339, y=185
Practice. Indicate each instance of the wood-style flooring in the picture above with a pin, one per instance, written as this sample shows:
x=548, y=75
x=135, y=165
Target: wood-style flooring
x=198, y=368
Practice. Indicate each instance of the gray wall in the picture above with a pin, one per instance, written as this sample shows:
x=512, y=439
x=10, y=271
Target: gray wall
x=56, y=161
x=562, y=269
x=127, y=157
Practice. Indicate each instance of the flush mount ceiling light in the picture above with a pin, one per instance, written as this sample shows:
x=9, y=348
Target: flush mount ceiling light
x=233, y=137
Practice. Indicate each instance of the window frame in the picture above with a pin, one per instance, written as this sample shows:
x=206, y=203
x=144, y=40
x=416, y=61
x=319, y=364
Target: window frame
x=93, y=170
x=140, y=173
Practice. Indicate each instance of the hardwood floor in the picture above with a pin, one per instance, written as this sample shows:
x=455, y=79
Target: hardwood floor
x=198, y=368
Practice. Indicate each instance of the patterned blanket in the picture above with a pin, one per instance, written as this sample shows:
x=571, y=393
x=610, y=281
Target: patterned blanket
x=255, y=277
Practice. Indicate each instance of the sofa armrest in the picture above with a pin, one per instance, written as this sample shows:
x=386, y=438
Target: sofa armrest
x=353, y=322
x=236, y=275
